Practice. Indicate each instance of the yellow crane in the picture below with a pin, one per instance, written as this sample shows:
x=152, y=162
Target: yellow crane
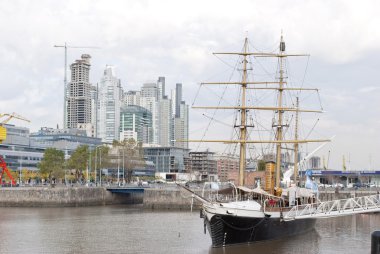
x=8, y=117
x=3, y=135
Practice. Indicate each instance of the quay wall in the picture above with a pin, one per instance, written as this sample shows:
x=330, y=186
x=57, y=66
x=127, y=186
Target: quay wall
x=169, y=199
x=180, y=199
x=63, y=196
x=153, y=198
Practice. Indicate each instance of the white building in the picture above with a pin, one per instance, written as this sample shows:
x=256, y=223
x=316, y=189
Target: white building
x=78, y=99
x=150, y=103
x=108, y=106
x=151, y=95
x=180, y=114
x=165, y=123
x=181, y=126
x=132, y=98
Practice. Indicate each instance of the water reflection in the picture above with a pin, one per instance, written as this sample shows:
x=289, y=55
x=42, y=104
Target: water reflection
x=125, y=229
x=291, y=244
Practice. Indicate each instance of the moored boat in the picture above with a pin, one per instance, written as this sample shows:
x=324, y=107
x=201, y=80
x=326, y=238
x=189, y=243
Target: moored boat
x=282, y=208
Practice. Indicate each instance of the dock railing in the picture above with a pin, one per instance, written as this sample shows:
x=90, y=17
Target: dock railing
x=341, y=207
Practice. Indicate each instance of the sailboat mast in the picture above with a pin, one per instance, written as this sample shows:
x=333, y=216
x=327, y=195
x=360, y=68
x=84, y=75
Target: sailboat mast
x=243, y=112
x=280, y=114
x=295, y=173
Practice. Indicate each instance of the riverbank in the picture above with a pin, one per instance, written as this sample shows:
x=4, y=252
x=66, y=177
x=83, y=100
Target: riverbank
x=153, y=198
x=63, y=196
x=180, y=199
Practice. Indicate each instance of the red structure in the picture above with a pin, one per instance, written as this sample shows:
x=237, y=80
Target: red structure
x=3, y=167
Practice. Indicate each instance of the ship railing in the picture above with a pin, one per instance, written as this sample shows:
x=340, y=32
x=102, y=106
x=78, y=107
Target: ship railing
x=213, y=197
x=335, y=207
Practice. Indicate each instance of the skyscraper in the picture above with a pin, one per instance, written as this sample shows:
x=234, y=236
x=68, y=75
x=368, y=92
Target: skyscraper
x=181, y=126
x=165, y=123
x=78, y=99
x=180, y=118
x=136, y=123
x=132, y=98
x=161, y=87
x=178, y=98
x=150, y=104
x=169, y=115
x=108, y=106
x=150, y=100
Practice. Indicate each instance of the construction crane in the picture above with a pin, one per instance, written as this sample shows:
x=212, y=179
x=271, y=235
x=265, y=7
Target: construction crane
x=65, y=46
x=3, y=136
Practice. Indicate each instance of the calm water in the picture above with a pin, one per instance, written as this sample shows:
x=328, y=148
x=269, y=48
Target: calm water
x=121, y=229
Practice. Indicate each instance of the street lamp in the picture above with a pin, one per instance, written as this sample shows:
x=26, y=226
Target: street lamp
x=20, y=170
x=123, y=166
x=118, y=167
x=100, y=164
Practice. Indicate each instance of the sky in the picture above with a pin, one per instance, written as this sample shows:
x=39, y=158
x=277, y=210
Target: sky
x=147, y=39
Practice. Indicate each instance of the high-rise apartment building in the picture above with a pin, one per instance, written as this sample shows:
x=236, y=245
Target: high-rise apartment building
x=165, y=123
x=151, y=96
x=151, y=104
x=78, y=99
x=169, y=116
x=181, y=126
x=180, y=118
x=136, y=123
x=108, y=106
x=132, y=98
x=150, y=90
x=161, y=87
x=178, y=98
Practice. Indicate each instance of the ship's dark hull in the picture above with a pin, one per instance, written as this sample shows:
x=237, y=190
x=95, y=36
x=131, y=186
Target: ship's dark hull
x=227, y=229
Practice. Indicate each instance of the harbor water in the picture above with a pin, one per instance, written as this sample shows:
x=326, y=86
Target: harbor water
x=131, y=229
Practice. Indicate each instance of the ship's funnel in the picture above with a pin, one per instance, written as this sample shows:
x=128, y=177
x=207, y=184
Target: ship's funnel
x=269, y=176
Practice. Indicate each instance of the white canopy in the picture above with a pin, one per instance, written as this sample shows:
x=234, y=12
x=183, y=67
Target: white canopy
x=256, y=190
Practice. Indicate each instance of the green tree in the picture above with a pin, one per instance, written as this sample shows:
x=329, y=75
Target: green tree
x=132, y=157
x=261, y=165
x=127, y=156
x=52, y=164
x=79, y=160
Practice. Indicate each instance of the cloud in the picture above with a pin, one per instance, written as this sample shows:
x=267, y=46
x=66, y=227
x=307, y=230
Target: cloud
x=146, y=39
x=369, y=89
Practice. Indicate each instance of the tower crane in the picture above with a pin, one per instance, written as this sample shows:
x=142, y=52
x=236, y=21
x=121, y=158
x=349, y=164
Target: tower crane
x=65, y=46
x=3, y=136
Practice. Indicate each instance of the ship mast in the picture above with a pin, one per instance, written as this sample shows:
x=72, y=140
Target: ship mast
x=295, y=172
x=243, y=116
x=279, y=109
x=280, y=113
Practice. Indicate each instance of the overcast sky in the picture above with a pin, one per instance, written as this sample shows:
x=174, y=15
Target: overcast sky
x=175, y=39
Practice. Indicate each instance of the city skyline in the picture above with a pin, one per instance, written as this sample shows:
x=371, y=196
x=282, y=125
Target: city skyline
x=342, y=38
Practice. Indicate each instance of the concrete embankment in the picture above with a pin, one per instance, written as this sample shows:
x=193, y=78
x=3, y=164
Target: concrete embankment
x=64, y=196
x=169, y=199
x=152, y=198
x=180, y=199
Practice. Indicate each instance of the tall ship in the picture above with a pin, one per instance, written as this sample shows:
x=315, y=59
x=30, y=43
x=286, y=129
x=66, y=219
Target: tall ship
x=282, y=205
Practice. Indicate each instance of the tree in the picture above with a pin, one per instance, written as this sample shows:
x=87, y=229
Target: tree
x=132, y=157
x=52, y=164
x=126, y=155
x=79, y=160
x=260, y=165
